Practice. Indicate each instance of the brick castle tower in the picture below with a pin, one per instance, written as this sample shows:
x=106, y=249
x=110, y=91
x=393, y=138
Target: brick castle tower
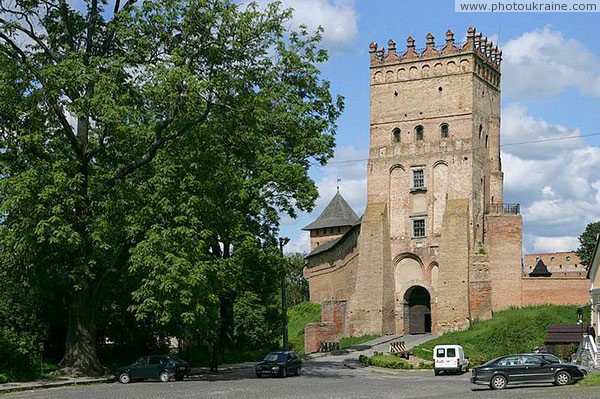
x=437, y=246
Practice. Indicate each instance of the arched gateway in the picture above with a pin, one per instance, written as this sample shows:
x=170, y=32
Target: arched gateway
x=417, y=310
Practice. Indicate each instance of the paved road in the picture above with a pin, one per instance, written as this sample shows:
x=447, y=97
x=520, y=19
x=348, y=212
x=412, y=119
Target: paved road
x=321, y=378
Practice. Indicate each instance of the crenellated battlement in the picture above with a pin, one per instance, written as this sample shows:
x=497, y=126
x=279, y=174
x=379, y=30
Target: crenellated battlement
x=475, y=43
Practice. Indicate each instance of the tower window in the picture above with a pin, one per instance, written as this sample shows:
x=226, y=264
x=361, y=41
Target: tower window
x=396, y=135
x=480, y=129
x=419, y=132
x=444, y=130
x=418, y=228
x=418, y=178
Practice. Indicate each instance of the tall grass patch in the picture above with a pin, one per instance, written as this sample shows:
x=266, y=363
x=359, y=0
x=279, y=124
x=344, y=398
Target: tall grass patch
x=514, y=330
x=298, y=317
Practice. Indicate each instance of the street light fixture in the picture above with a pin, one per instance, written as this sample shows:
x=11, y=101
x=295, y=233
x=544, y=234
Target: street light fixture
x=286, y=345
x=580, y=319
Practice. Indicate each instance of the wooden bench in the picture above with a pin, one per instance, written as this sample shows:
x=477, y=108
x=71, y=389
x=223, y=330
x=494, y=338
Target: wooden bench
x=399, y=349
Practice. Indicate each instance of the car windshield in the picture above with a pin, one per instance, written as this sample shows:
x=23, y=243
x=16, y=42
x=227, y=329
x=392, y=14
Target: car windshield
x=275, y=357
x=551, y=358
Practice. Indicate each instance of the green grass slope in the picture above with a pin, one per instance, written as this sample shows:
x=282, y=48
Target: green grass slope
x=511, y=331
x=298, y=317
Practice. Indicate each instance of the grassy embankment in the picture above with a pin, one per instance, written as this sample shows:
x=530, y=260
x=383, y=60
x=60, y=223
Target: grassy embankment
x=515, y=330
x=298, y=317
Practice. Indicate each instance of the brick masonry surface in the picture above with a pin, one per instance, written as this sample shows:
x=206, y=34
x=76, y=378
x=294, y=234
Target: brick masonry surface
x=434, y=163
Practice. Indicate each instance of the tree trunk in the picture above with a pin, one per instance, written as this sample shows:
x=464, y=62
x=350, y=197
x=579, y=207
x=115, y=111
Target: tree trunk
x=80, y=350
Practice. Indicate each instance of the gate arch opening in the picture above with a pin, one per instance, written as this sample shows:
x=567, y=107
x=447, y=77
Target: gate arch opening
x=417, y=310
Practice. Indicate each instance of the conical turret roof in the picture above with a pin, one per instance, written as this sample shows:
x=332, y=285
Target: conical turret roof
x=540, y=270
x=337, y=213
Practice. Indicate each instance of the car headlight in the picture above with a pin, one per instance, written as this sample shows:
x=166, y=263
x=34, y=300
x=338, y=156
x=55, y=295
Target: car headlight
x=275, y=368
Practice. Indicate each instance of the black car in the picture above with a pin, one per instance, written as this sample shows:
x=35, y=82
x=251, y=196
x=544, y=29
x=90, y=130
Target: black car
x=280, y=364
x=525, y=369
x=161, y=367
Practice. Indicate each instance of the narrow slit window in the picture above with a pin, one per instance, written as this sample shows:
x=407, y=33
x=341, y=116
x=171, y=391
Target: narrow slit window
x=419, y=131
x=444, y=131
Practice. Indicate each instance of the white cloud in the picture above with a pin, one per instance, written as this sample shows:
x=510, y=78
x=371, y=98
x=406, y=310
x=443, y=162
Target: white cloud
x=554, y=244
x=337, y=17
x=547, y=192
x=543, y=62
x=301, y=244
x=349, y=165
x=531, y=138
x=557, y=182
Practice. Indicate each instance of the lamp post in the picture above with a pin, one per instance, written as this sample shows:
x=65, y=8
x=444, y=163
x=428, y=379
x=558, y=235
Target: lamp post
x=580, y=319
x=286, y=345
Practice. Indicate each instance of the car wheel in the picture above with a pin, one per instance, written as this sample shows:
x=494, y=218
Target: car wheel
x=498, y=382
x=124, y=378
x=297, y=371
x=164, y=376
x=562, y=378
x=283, y=372
x=436, y=372
x=258, y=375
x=179, y=377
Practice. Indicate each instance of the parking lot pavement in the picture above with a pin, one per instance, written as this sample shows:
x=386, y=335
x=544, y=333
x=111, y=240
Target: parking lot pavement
x=196, y=373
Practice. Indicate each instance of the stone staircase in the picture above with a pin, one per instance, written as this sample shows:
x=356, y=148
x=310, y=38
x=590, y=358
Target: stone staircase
x=587, y=354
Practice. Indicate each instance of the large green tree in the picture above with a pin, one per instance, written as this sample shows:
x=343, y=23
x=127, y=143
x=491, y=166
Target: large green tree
x=158, y=141
x=587, y=243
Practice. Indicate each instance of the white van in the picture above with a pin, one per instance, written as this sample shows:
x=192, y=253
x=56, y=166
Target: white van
x=449, y=358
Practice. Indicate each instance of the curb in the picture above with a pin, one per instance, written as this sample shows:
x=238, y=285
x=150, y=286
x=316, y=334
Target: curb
x=29, y=386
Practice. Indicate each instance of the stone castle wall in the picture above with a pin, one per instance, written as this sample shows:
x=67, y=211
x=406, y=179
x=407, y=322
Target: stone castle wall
x=334, y=281
x=555, y=290
x=504, y=243
x=331, y=327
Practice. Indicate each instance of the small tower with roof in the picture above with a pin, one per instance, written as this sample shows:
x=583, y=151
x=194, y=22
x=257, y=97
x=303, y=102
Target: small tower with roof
x=335, y=220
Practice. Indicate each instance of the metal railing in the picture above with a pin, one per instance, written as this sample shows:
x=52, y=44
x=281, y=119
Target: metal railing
x=504, y=209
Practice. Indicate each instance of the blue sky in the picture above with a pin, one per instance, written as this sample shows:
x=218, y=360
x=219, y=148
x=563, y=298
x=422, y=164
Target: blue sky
x=550, y=89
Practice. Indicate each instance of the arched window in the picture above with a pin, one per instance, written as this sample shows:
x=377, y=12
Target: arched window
x=419, y=132
x=480, y=129
x=444, y=130
x=396, y=135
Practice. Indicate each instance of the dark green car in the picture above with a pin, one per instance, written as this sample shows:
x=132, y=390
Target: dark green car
x=280, y=364
x=160, y=367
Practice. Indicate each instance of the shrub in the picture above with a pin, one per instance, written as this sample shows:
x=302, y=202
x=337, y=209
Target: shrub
x=425, y=365
x=385, y=361
x=19, y=355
